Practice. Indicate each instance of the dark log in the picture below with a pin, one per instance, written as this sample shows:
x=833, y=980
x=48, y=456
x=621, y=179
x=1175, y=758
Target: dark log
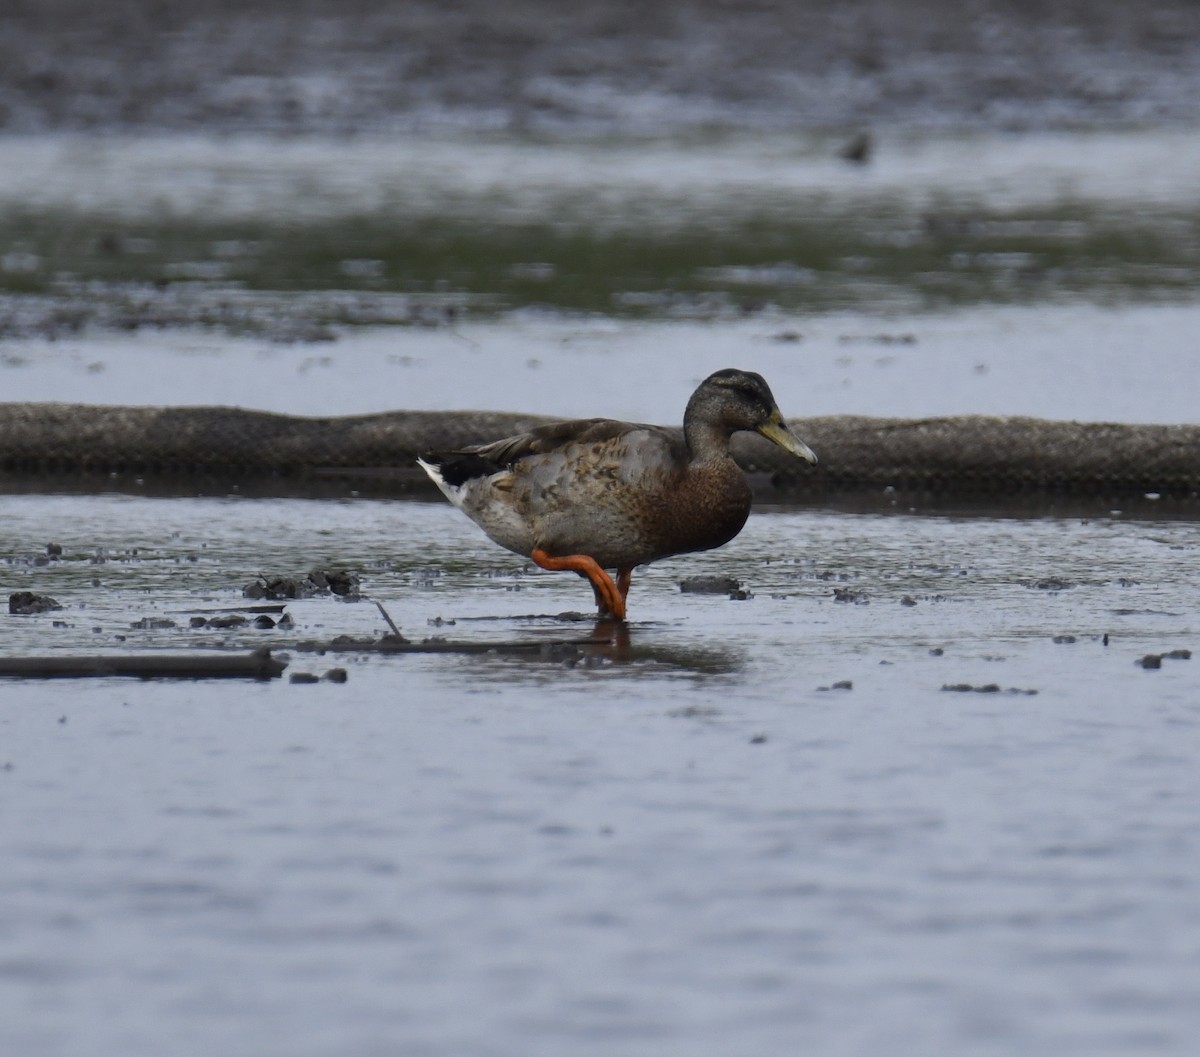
x=258, y=664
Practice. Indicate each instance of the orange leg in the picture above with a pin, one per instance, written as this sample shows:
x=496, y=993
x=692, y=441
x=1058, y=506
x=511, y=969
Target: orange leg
x=606, y=591
x=624, y=577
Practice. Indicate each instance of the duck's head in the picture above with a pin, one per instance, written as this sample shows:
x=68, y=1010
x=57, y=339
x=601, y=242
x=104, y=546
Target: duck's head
x=732, y=400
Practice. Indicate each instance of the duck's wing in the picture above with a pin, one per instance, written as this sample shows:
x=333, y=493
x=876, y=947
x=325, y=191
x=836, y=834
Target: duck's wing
x=639, y=455
x=483, y=460
x=545, y=440
x=458, y=467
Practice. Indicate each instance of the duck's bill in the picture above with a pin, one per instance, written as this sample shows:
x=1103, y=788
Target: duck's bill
x=777, y=432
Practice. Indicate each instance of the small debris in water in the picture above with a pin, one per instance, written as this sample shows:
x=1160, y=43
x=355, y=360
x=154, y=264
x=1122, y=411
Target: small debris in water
x=841, y=684
x=694, y=711
x=559, y=650
x=1064, y=638
x=388, y=617
x=278, y=587
x=25, y=603
x=758, y=739
x=986, y=688
x=877, y=339
x=857, y=596
x=339, y=582
x=1052, y=583
x=709, y=585
x=153, y=624
x=908, y=600
x=937, y=651
x=425, y=574
x=858, y=149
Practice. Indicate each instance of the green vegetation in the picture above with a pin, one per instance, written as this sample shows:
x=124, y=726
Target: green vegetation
x=801, y=259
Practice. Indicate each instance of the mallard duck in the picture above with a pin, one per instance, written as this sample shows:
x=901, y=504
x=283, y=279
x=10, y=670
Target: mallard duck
x=595, y=494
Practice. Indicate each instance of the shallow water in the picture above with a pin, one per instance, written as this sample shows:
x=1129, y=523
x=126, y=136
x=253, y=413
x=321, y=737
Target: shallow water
x=1071, y=361
x=696, y=842
x=506, y=177
x=914, y=795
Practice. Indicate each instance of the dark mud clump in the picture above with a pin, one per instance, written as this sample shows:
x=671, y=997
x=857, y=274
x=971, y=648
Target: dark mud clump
x=333, y=675
x=227, y=622
x=1154, y=660
x=319, y=581
x=26, y=603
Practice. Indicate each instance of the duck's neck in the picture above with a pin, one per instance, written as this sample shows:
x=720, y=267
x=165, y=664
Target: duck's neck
x=707, y=442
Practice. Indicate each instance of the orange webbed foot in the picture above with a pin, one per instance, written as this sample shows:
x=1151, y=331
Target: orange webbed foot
x=607, y=594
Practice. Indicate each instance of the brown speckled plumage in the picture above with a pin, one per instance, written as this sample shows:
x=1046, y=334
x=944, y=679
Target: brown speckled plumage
x=621, y=494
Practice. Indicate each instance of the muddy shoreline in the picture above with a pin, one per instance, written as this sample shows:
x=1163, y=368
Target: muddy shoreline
x=338, y=68
x=967, y=459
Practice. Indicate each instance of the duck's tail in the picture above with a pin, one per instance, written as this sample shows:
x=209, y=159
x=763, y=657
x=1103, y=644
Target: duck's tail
x=453, y=471
x=429, y=463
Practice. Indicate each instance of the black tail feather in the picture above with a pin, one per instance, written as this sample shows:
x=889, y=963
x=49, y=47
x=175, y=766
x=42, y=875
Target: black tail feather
x=457, y=468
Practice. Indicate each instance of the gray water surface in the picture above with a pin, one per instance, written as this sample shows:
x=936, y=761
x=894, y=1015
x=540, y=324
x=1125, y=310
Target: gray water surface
x=696, y=842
